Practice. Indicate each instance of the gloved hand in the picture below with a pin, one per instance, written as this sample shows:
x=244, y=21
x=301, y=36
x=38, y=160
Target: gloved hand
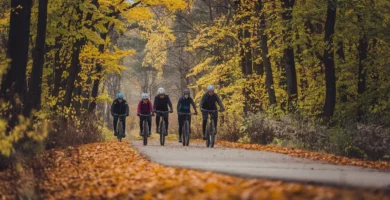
x=153, y=114
x=222, y=109
x=171, y=111
x=137, y=114
x=196, y=113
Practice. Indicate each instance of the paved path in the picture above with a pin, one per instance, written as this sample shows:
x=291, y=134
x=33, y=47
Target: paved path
x=259, y=164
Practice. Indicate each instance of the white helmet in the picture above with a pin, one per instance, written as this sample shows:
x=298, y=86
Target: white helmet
x=161, y=91
x=210, y=88
x=145, y=96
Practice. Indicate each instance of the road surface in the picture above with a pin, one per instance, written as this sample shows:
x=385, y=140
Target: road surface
x=260, y=164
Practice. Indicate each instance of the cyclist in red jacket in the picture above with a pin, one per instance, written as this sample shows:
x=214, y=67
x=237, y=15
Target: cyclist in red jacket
x=145, y=107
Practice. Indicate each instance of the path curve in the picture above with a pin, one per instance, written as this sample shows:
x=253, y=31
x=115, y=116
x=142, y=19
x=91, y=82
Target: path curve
x=260, y=164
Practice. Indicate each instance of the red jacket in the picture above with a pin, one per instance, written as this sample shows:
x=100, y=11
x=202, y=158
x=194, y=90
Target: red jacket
x=150, y=107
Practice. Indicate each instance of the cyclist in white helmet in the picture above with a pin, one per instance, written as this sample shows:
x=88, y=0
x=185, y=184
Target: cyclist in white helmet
x=145, y=107
x=209, y=101
x=161, y=103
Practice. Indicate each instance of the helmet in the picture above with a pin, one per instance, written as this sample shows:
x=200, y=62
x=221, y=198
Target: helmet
x=120, y=96
x=161, y=91
x=187, y=91
x=210, y=88
x=145, y=96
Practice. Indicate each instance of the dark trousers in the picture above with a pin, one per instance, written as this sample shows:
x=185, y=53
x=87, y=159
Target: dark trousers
x=182, y=119
x=123, y=120
x=165, y=115
x=205, y=116
x=141, y=123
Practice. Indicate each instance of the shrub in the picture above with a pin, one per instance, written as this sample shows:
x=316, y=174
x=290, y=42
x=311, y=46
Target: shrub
x=374, y=140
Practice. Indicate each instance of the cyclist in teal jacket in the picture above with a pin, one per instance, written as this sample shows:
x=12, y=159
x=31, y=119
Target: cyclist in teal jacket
x=184, y=106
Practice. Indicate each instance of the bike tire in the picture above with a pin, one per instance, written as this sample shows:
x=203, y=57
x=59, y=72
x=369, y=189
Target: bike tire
x=212, y=134
x=207, y=135
x=184, y=134
x=163, y=130
x=187, y=135
x=145, y=133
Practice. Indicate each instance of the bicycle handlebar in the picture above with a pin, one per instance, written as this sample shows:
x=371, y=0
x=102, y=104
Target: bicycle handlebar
x=186, y=113
x=211, y=111
x=124, y=115
x=142, y=115
x=158, y=111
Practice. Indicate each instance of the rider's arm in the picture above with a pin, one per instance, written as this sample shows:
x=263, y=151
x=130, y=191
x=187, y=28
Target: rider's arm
x=112, y=108
x=127, y=109
x=202, y=101
x=219, y=102
x=151, y=107
x=169, y=103
x=178, y=105
x=193, y=105
x=139, y=108
x=154, y=103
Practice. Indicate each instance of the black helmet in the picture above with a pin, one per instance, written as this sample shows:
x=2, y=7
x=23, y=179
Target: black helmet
x=187, y=91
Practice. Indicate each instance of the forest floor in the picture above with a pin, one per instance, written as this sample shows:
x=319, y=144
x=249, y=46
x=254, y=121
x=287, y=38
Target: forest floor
x=113, y=170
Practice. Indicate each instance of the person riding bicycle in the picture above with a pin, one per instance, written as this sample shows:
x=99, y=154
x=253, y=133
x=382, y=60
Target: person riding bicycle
x=161, y=103
x=184, y=106
x=119, y=107
x=208, y=102
x=145, y=108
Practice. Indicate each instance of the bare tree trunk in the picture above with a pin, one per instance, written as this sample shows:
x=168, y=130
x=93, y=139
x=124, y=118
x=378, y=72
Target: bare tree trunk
x=328, y=59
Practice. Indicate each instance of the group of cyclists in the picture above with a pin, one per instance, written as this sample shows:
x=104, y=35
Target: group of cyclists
x=163, y=105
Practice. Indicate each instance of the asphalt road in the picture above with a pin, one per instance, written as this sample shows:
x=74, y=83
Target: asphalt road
x=259, y=164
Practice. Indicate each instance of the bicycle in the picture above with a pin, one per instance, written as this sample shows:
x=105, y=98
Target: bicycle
x=119, y=127
x=185, y=135
x=210, y=128
x=145, y=130
x=163, y=130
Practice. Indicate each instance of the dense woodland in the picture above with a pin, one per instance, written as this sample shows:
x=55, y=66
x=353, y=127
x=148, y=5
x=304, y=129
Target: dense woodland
x=307, y=73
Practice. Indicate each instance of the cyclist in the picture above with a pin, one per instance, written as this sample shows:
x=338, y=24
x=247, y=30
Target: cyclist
x=119, y=107
x=184, y=106
x=208, y=102
x=161, y=103
x=145, y=107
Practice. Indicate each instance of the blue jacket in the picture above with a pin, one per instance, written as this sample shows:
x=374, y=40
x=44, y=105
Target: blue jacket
x=184, y=105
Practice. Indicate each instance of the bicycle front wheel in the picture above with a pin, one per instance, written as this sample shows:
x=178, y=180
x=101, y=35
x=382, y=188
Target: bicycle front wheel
x=163, y=131
x=145, y=133
x=212, y=134
x=186, y=134
x=120, y=130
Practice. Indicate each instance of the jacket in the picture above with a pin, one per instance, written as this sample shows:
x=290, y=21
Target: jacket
x=139, y=110
x=184, y=105
x=118, y=108
x=161, y=104
x=209, y=102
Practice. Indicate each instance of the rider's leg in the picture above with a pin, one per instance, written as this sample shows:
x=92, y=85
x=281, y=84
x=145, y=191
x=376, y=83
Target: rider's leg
x=123, y=120
x=157, y=123
x=181, y=122
x=150, y=125
x=215, y=116
x=205, y=116
x=115, y=123
x=140, y=125
x=166, y=123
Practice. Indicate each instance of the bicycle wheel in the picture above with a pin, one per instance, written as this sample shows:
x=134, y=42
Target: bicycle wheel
x=184, y=134
x=145, y=132
x=187, y=133
x=212, y=134
x=163, y=131
x=120, y=130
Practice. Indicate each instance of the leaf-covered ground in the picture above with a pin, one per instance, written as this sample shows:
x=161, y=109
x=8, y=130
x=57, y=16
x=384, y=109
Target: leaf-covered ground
x=115, y=170
x=318, y=156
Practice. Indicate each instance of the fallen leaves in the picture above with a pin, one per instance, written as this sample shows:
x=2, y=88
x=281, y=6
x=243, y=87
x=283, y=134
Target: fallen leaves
x=329, y=158
x=114, y=170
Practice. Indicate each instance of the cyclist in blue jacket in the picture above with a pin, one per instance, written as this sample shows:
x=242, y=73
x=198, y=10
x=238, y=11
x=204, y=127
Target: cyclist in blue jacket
x=119, y=107
x=184, y=106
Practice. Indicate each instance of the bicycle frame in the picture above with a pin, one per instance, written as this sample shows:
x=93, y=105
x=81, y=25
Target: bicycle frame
x=162, y=136
x=145, y=131
x=210, y=138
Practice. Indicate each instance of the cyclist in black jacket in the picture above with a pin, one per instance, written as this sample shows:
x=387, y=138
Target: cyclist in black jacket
x=161, y=103
x=209, y=102
x=184, y=106
x=119, y=107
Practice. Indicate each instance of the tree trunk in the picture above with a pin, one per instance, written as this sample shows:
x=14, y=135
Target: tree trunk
x=35, y=90
x=328, y=58
x=362, y=71
x=13, y=83
x=73, y=71
x=288, y=56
